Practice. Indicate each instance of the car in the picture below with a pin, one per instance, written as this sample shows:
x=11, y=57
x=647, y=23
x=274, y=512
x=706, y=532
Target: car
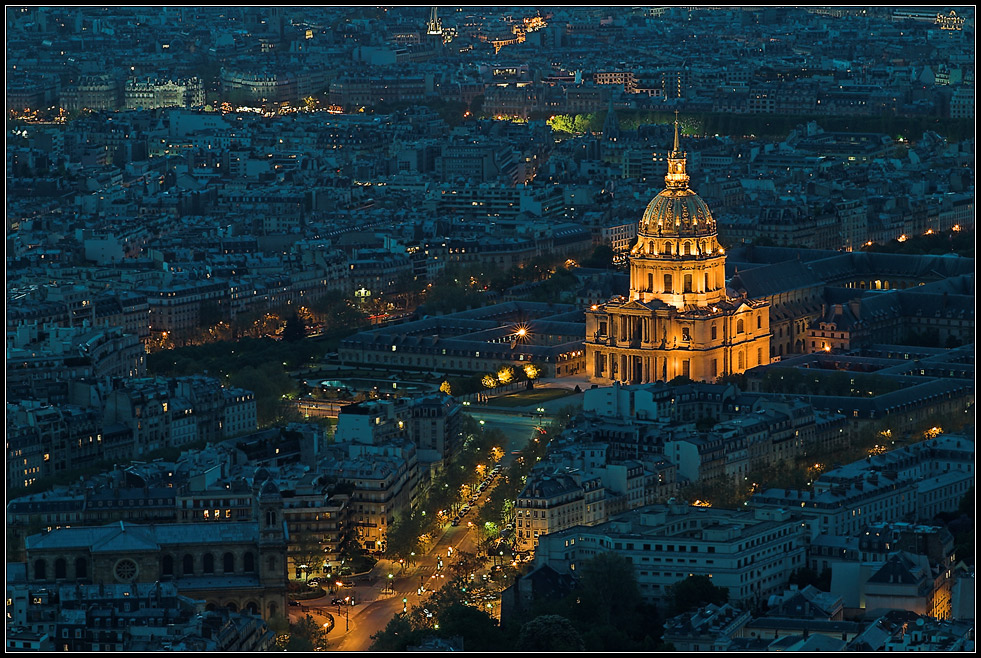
x=292, y=602
x=338, y=602
x=346, y=583
x=456, y=522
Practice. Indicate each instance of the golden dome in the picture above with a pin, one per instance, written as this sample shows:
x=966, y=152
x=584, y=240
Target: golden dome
x=676, y=210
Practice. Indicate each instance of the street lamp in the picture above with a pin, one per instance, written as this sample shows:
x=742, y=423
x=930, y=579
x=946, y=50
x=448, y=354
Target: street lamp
x=405, y=603
x=391, y=587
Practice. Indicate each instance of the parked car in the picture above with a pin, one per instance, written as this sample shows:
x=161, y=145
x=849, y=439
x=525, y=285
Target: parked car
x=347, y=583
x=338, y=602
x=292, y=602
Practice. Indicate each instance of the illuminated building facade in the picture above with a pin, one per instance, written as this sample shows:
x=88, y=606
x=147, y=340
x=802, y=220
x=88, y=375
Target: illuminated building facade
x=678, y=319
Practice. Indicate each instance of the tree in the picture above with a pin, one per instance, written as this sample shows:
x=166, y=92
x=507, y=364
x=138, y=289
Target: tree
x=549, y=633
x=294, y=329
x=608, y=604
x=489, y=381
x=307, y=553
x=446, y=388
x=479, y=630
x=696, y=591
x=209, y=314
x=304, y=635
x=602, y=257
x=402, y=538
x=397, y=635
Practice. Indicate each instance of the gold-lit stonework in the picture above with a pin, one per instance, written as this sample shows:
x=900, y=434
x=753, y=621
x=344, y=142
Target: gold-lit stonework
x=679, y=319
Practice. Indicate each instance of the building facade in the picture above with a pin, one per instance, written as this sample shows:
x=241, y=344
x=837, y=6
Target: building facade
x=679, y=318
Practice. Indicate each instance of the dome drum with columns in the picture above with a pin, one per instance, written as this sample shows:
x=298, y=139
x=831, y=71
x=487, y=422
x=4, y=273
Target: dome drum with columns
x=679, y=319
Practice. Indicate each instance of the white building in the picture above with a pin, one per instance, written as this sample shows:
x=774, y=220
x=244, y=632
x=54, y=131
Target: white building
x=750, y=553
x=912, y=483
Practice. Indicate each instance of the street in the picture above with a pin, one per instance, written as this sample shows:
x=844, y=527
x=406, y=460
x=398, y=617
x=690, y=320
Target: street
x=377, y=602
x=384, y=597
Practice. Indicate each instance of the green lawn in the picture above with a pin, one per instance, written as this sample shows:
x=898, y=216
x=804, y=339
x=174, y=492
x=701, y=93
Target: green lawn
x=528, y=398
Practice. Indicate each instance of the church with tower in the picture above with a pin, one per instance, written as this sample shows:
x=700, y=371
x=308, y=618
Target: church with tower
x=679, y=319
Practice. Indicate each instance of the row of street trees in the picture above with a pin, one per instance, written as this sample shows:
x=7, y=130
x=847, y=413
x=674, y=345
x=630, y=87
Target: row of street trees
x=481, y=448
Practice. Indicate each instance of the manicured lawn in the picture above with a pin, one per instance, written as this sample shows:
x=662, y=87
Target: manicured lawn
x=527, y=398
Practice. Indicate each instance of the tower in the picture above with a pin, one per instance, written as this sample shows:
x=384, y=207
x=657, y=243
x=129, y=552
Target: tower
x=434, y=26
x=678, y=319
x=611, y=125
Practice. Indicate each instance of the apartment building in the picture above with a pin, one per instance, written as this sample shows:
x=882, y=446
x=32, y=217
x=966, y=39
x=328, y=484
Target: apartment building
x=749, y=552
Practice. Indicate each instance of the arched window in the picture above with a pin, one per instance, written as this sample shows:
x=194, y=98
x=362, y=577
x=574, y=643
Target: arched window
x=668, y=248
x=40, y=570
x=707, y=286
x=740, y=360
x=650, y=282
x=687, y=248
x=687, y=283
x=209, y=563
x=759, y=321
x=228, y=563
x=715, y=332
x=188, y=565
x=668, y=284
x=81, y=568
x=739, y=326
x=271, y=562
x=270, y=518
x=61, y=568
x=167, y=565
x=650, y=247
x=252, y=607
x=231, y=606
x=249, y=566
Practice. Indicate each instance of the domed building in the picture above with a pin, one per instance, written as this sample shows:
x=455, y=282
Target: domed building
x=679, y=318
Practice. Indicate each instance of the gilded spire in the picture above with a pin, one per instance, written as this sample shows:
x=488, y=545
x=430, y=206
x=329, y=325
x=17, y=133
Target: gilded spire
x=677, y=177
